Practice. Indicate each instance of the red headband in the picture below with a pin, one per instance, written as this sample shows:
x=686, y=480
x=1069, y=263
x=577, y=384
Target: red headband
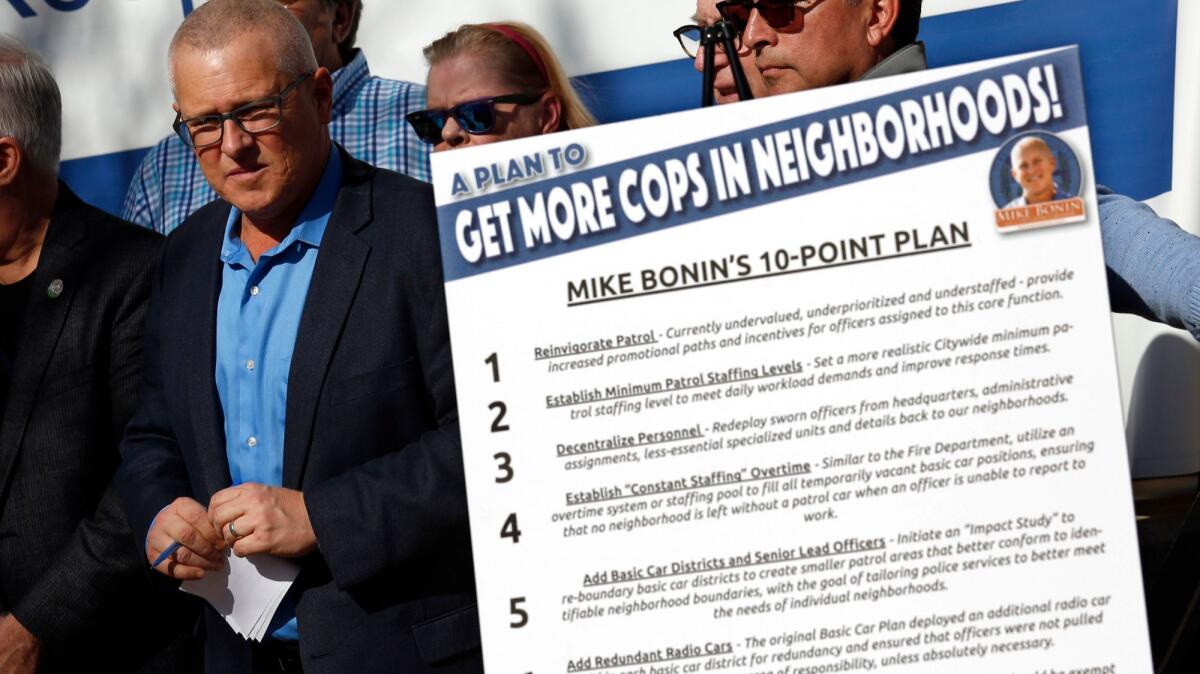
x=523, y=44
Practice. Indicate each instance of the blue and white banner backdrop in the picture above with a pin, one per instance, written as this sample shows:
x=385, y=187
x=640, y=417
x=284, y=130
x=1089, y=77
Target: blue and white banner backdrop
x=1141, y=84
x=108, y=56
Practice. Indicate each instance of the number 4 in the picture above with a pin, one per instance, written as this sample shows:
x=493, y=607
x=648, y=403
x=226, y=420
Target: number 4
x=510, y=529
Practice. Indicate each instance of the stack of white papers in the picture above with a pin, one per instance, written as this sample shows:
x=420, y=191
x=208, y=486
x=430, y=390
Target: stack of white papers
x=247, y=591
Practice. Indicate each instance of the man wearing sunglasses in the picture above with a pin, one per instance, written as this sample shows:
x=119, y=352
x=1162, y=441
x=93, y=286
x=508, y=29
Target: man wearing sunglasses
x=299, y=392
x=1153, y=265
x=794, y=45
x=367, y=120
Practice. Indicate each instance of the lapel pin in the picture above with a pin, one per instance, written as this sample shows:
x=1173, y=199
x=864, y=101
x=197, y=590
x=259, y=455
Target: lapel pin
x=55, y=289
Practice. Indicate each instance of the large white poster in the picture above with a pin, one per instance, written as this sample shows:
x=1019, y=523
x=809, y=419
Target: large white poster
x=820, y=383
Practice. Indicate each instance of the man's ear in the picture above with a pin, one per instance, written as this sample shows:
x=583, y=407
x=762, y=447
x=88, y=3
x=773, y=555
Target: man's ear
x=881, y=21
x=343, y=20
x=551, y=113
x=323, y=89
x=12, y=159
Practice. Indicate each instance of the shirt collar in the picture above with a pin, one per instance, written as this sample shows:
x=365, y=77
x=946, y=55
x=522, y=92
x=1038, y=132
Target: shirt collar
x=348, y=79
x=310, y=225
x=908, y=59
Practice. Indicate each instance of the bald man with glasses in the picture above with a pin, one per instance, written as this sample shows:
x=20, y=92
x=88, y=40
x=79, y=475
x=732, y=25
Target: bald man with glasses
x=367, y=119
x=299, y=394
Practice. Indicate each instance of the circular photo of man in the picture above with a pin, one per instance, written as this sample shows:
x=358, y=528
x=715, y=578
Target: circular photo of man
x=1034, y=168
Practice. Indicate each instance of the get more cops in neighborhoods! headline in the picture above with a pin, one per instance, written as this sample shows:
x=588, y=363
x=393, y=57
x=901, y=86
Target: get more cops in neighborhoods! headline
x=552, y=202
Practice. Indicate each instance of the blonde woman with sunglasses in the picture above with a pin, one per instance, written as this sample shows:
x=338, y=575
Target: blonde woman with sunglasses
x=492, y=82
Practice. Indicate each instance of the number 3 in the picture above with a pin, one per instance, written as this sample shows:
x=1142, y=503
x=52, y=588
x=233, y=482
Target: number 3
x=505, y=467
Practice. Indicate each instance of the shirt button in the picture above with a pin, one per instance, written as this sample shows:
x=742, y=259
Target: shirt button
x=252, y=442
x=250, y=365
x=254, y=290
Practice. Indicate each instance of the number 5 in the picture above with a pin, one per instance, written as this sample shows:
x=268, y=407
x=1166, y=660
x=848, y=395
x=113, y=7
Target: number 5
x=522, y=617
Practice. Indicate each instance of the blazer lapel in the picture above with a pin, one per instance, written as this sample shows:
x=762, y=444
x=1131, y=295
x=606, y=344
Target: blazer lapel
x=335, y=281
x=199, y=356
x=60, y=264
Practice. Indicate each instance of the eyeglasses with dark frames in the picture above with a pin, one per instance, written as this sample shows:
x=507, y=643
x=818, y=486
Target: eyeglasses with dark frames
x=475, y=117
x=255, y=117
x=689, y=37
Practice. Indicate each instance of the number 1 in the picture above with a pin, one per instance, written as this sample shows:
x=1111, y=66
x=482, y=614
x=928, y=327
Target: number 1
x=494, y=361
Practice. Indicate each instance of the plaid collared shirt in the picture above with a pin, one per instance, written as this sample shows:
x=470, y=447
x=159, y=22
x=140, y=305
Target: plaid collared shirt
x=368, y=120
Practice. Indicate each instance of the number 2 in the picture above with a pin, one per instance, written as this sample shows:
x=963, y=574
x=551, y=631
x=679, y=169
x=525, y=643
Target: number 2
x=501, y=409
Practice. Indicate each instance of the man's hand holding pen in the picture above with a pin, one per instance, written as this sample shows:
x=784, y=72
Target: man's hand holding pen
x=184, y=525
x=187, y=539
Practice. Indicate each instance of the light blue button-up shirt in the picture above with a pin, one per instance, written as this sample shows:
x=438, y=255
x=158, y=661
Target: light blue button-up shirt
x=258, y=316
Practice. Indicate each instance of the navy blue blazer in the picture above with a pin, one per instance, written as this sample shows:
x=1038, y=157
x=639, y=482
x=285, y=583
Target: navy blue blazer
x=371, y=438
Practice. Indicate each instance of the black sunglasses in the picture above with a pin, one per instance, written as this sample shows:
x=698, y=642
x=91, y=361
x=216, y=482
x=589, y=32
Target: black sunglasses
x=778, y=14
x=474, y=117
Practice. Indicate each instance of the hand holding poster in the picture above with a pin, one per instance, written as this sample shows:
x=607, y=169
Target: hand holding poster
x=780, y=387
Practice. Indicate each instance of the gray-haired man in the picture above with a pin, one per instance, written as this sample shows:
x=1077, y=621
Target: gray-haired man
x=367, y=119
x=73, y=289
x=299, y=388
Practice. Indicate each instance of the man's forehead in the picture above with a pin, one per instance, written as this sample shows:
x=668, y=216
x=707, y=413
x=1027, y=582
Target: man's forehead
x=1031, y=149
x=249, y=48
x=216, y=79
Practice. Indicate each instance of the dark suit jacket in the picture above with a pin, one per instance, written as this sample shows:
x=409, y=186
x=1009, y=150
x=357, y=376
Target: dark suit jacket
x=371, y=437
x=70, y=569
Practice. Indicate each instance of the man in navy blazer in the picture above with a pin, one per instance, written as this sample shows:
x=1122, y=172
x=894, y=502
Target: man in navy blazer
x=299, y=394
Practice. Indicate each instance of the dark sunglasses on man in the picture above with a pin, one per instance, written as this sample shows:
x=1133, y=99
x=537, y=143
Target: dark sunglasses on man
x=779, y=14
x=475, y=117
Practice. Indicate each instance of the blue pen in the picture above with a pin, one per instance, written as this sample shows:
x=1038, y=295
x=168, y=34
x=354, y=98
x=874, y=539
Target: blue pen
x=167, y=553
